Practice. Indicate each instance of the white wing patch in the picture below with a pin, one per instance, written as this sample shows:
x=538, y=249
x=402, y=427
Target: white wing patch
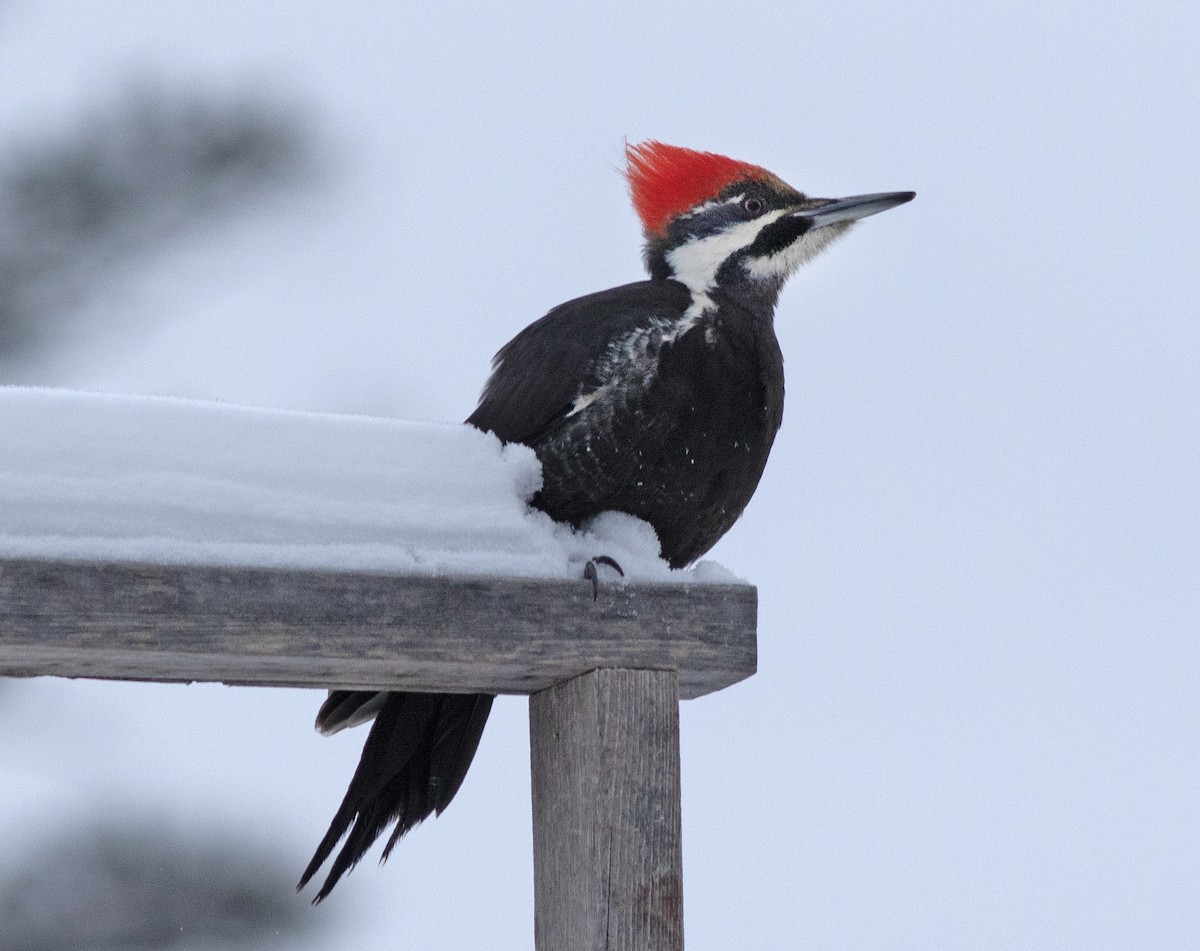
x=584, y=400
x=630, y=362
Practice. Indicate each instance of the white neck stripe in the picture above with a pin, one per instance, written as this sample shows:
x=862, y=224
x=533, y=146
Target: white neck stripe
x=696, y=263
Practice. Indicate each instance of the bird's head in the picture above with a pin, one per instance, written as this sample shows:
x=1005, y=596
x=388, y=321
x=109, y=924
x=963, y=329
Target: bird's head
x=712, y=221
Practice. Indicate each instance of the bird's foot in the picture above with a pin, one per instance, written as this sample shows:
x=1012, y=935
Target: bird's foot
x=591, y=572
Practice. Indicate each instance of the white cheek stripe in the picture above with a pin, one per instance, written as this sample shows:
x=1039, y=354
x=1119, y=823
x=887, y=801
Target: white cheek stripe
x=696, y=263
x=785, y=262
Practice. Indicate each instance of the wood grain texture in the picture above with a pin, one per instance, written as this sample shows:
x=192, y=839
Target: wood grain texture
x=300, y=628
x=606, y=826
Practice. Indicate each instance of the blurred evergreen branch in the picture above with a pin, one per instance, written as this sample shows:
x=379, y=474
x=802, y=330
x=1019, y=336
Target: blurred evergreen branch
x=146, y=169
x=119, y=885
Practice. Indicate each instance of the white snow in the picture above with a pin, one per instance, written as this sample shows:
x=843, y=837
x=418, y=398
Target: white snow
x=137, y=478
x=976, y=541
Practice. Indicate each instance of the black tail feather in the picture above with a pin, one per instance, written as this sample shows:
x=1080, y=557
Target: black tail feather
x=453, y=750
x=412, y=764
x=347, y=708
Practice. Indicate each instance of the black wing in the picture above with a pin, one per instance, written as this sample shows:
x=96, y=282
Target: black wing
x=421, y=745
x=539, y=374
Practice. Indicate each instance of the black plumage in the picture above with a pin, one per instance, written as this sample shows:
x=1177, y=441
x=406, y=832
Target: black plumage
x=660, y=399
x=682, y=447
x=675, y=424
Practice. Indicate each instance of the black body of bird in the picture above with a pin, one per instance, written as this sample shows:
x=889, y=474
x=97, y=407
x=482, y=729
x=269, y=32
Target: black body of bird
x=659, y=398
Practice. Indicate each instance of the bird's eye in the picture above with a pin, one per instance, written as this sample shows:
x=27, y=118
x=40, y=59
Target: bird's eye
x=754, y=205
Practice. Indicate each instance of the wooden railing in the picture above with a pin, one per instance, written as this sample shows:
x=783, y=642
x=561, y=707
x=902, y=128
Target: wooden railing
x=604, y=678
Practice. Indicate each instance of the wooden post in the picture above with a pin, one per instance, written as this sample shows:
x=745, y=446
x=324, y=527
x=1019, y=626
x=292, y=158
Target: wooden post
x=608, y=867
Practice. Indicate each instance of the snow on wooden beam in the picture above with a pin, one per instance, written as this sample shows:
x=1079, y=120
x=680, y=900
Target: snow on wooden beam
x=304, y=628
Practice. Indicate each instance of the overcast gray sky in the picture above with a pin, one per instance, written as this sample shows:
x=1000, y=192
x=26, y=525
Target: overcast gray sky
x=976, y=545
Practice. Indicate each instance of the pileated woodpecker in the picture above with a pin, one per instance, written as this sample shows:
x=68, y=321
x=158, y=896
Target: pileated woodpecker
x=659, y=398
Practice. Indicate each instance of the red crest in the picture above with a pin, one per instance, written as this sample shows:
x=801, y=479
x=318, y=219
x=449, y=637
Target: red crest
x=665, y=180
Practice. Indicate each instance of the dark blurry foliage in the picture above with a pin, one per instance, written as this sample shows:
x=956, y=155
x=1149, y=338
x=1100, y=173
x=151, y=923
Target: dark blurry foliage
x=148, y=168
x=115, y=885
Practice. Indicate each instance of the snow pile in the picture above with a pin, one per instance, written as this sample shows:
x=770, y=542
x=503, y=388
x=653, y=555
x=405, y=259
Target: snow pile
x=96, y=476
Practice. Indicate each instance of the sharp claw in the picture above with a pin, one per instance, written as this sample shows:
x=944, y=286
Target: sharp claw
x=591, y=574
x=611, y=562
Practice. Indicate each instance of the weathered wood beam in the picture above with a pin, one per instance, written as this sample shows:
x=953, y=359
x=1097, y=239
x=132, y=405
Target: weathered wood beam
x=607, y=845
x=280, y=627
